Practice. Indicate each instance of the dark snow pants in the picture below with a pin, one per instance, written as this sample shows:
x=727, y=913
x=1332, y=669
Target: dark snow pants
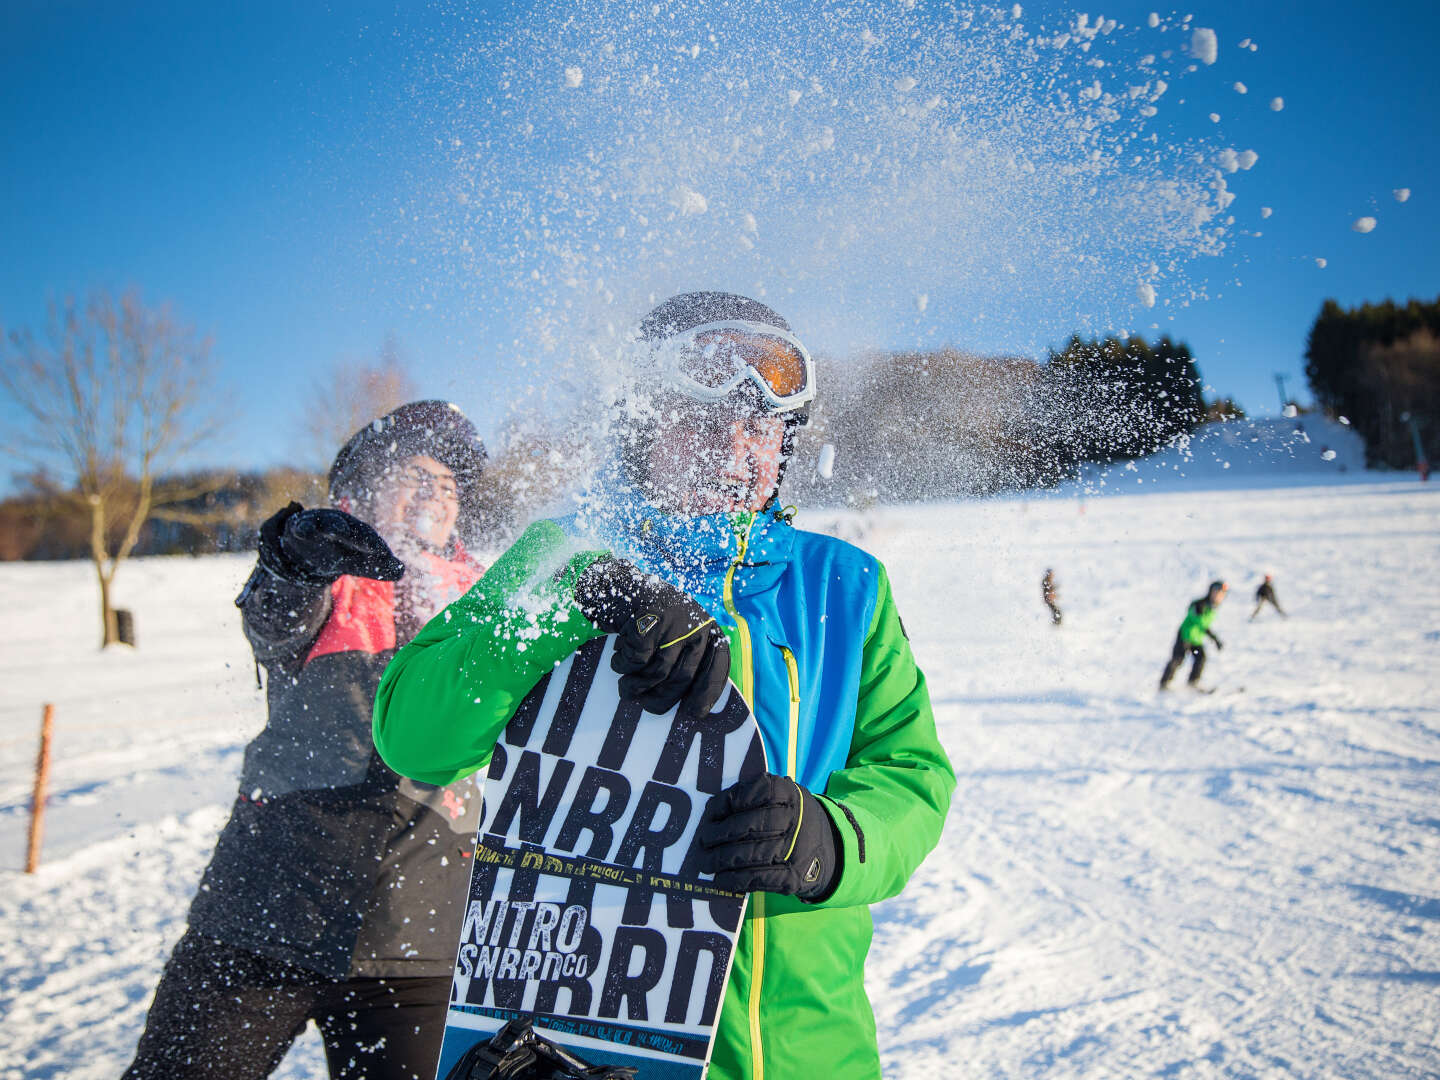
x=222, y=1012
x=1177, y=657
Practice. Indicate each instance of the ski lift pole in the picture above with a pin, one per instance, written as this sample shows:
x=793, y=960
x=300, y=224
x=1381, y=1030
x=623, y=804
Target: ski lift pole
x=42, y=780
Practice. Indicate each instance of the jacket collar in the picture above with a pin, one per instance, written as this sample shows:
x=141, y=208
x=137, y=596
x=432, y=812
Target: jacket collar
x=694, y=552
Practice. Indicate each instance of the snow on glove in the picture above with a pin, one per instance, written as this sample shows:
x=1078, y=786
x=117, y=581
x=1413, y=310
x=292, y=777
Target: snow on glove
x=668, y=648
x=314, y=547
x=768, y=834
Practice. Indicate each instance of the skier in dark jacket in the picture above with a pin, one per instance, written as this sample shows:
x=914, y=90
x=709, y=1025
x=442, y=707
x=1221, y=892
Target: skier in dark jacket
x=334, y=891
x=1266, y=594
x=1192, y=634
x=1050, y=593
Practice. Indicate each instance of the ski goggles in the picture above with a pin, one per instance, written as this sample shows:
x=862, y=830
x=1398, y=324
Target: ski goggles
x=709, y=361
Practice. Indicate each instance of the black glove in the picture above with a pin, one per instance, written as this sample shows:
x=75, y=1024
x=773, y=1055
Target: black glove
x=768, y=834
x=668, y=648
x=517, y=1052
x=314, y=547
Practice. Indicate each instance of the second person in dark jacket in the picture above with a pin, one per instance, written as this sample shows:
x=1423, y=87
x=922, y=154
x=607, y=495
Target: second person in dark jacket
x=334, y=892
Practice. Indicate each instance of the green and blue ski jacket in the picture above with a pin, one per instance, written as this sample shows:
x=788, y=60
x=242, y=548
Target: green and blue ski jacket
x=818, y=650
x=1198, y=618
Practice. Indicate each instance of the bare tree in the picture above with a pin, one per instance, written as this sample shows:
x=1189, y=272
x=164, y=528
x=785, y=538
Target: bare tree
x=350, y=394
x=114, y=397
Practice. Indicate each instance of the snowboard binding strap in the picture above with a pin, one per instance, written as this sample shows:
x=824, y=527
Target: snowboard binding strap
x=516, y=1052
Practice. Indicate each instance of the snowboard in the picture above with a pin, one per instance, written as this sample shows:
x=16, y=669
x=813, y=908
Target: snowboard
x=586, y=913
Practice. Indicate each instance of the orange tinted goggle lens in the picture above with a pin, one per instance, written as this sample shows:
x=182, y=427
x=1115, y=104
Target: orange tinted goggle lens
x=715, y=358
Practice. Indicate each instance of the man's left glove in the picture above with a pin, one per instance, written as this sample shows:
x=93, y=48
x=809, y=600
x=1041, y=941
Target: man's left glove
x=768, y=834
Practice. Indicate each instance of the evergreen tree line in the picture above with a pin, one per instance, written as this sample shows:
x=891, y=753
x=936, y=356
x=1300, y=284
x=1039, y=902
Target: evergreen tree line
x=909, y=426
x=905, y=426
x=1378, y=365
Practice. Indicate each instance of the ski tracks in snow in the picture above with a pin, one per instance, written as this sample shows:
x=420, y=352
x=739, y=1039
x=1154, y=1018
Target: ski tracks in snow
x=1129, y=884
x=1139, y=884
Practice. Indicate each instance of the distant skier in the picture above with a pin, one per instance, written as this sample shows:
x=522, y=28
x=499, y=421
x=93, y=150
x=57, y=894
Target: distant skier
x=1193, y=632
x=1051, y=595
x=1266, y=593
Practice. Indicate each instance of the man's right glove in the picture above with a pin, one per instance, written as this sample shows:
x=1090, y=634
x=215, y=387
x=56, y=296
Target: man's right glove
x=314, y=547
x=668, y=648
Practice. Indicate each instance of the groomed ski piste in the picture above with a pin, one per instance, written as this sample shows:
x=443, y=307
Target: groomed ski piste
x=1130, y=884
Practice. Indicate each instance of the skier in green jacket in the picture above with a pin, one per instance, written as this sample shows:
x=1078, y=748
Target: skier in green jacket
x=1192, y=634
x=683, y=552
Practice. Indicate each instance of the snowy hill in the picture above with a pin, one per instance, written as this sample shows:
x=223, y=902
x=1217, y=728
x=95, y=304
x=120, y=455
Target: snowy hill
x=1261, y=452
x=1129, y=884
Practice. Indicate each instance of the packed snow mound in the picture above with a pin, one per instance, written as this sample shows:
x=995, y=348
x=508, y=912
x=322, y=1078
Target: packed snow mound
x=1279, y=448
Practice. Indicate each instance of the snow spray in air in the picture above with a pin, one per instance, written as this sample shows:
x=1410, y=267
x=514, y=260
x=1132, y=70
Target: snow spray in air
x=882, y=173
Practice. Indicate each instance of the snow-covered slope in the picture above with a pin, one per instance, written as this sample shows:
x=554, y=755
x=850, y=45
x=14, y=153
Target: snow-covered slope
x=1130, y=884
x=1263, y=452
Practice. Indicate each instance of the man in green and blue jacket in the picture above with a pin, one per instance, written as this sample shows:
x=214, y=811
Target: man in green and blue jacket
x=684, y=554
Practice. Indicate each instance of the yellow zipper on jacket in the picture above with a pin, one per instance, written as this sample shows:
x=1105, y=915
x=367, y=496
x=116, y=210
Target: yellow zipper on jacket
x=792, y=670
x=757, y=921
x=757, y=967
x=742, y=628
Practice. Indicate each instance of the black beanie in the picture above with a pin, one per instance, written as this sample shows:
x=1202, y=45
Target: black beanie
x=434, y=428
x=681, y=313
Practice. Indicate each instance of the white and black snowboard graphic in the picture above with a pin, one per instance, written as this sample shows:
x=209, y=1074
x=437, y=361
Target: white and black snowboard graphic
x=586, y=911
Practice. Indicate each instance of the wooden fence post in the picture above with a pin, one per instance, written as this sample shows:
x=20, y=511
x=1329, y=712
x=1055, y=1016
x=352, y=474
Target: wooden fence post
x=42, y=780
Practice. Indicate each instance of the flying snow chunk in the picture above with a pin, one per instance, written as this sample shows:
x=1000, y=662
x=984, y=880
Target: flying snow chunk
x=1276, y=104
x=1154, y=20
x=1402, y=194
x=689, y=201
x=905, y=84
x=922, y=301
x=751, y=225
x=825, y=466
x=574, y=77
x=1203, y=44
x=1015, y=11
x=1233, y=161
x=1327, y=455
x=1241, y=88
x=1214, y=118
x=1265, y=211
x=1146, y=293
x=795, y=96
x=1322, y=263
x=1364, y=224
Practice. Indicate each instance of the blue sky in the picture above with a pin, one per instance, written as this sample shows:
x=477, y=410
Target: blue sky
x=272, y=171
